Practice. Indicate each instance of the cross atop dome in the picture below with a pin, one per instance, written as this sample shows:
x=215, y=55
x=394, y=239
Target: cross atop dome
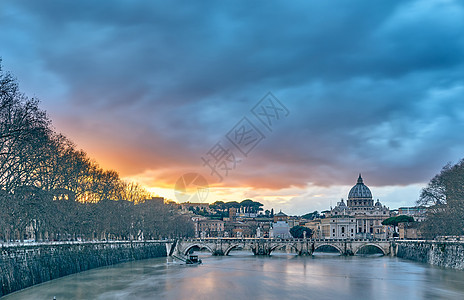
x=360, y=180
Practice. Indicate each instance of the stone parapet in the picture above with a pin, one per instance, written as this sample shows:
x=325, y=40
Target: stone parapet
x=24, y=265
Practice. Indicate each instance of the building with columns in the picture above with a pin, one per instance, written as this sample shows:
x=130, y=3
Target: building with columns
x=359, y=217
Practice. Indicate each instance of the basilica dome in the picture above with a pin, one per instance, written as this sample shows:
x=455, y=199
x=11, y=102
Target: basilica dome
x=360, y=190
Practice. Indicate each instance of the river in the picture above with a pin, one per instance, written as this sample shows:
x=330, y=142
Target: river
x=243, y=276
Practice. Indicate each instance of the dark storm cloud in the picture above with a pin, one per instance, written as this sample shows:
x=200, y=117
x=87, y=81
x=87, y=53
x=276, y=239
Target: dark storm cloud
x=371, y=87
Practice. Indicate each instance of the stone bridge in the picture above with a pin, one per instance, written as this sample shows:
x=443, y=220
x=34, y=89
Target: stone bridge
x=261, y=246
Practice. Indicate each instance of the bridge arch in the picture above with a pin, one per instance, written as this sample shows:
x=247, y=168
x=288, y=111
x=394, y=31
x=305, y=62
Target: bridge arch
x=201, y=246
x=370, y=245
x=274, y=247
x=284, y=246
x=232, y=247
x=329, y=245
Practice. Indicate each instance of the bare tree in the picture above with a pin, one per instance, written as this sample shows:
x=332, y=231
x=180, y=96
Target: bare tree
x=51, y=190
x=444, y=196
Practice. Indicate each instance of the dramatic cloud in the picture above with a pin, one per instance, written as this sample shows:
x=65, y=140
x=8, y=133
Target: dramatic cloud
x=148, y=88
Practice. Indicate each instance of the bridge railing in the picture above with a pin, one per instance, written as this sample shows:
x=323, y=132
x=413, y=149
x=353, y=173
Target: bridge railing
x=284, y=240
x=54, y=243
x=430, y=241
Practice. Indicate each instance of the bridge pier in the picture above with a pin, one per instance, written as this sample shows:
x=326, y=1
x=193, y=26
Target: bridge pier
x=261, y=247
x=218, y=249
x=347, y=250
x=306, y=249
x=218, y=252
x=393, y=249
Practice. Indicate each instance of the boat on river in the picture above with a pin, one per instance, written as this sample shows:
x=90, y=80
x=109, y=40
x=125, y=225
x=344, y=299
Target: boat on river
x=191, y=259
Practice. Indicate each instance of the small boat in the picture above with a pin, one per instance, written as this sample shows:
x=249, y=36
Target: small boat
x=189, y=260
x=193, y=259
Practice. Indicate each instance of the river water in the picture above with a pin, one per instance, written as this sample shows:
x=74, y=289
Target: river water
x=244, y=276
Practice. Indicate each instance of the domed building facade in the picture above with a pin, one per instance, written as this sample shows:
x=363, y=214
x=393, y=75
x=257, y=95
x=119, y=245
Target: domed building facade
x=359, y=217
x=360, y=195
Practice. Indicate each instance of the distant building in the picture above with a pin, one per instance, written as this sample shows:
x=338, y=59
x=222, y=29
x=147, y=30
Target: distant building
x=417, y=212
x=280, y=227
x=240, y=229
x=339, y=227
x=293, y=221
x=232, y=213
x=409, y=230
x=315, y=226
x=209, y=228
x=358, y=218
x=280, y=216
x=281, y=230
x=264, y=228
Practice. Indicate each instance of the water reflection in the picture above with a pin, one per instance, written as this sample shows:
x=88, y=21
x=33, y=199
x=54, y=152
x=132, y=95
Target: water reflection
x=244, y=276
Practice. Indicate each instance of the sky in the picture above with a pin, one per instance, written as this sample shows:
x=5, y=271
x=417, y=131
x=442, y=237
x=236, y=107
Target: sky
x=313, y=92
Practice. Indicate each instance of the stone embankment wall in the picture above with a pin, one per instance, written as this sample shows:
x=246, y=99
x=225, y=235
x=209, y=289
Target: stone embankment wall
x=448, y=254
x=24, y=265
